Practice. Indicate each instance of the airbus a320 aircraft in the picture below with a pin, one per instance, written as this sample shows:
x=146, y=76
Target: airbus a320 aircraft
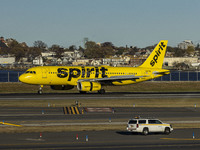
x=93, y=78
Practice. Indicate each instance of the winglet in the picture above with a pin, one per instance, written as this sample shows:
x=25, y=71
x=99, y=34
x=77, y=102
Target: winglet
x=155, y=60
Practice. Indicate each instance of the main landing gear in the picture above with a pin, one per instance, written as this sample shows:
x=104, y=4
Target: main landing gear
x=82, y=92
x=102, y=91
x=40, y=89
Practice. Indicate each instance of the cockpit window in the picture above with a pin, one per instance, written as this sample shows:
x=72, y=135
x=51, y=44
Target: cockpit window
x=32, y=72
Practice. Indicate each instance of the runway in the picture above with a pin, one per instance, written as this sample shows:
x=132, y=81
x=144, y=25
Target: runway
x=108, y=95
x=99, y=140
x=121, y=113
x=54, y=116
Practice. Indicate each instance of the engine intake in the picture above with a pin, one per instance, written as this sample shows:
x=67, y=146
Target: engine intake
x=88, y=86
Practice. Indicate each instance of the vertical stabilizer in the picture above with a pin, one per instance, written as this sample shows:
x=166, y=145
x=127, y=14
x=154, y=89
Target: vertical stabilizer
x=155, y=59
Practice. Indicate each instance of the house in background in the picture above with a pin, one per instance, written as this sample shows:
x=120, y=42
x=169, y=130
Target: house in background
x=185, y=44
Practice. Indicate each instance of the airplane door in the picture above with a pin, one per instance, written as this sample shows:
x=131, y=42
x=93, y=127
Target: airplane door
x=44, y=73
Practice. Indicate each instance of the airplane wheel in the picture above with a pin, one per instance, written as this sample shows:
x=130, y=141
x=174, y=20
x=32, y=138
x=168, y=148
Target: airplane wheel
x=102, y=91
x=40, y=92
x=40, y=89
x=82, y=92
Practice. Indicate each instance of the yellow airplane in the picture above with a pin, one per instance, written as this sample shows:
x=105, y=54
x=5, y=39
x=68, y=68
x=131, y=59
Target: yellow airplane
x=90, y=78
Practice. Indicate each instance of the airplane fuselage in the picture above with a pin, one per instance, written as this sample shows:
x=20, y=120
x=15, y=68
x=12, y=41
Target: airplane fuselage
x=69, y=75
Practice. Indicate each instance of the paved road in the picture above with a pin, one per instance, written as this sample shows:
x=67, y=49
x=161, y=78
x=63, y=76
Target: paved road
x=109, y=95
x=56, y=114
x=98, y=140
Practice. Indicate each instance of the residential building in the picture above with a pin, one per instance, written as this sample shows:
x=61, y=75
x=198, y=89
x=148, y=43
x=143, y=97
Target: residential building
x=185, y=44
x=188, y=60
x=7, y=60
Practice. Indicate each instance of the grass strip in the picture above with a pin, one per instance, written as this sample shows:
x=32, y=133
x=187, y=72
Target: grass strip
x=148, y=86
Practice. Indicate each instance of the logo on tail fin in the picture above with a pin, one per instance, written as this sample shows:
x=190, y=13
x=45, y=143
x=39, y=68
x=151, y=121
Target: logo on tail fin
x=158, y=53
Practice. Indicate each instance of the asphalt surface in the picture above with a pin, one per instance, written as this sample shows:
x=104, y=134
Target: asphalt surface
x=178, y=139
x=108, y=95
x=57, y=114
x=99, y=140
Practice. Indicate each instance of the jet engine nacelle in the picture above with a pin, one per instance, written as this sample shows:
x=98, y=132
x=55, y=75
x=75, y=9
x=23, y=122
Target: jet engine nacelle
x=88, y=86
x=62, y=87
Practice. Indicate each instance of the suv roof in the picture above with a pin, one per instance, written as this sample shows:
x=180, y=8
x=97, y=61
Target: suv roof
x=144, y=118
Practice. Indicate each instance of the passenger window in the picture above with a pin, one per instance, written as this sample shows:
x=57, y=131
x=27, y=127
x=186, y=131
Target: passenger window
x=158, y=122
x=142, y=121
x=154, y=122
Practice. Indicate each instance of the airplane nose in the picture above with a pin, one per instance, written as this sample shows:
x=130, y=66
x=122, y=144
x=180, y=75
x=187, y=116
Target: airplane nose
x=24, y=78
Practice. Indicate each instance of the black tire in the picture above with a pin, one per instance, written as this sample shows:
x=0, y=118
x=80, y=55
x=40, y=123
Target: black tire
x=145, y=131
x=82, y=92
x=167, y=131
x=40, y=92
x=102, y=91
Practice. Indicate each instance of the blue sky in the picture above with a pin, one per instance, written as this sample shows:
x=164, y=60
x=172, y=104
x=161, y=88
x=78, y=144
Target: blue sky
x=123, y=22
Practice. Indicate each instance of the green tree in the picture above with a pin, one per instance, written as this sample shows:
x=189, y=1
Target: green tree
x=41, y=45
x=107, y=51
x=107, y=44
x=179, y=52
x=190, y=50
x=17, y=50
x=198, y=48
x=132, y=51
x=33, y=52
x=170, y=49
x=119, y=50
x=92, y=50
x=72, y=48
x=58, y=50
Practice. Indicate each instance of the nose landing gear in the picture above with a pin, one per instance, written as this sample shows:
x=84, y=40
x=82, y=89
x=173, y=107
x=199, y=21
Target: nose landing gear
x=101, y=91
x=40, y=89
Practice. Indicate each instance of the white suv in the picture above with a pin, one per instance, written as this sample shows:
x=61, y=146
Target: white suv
x=145, y=126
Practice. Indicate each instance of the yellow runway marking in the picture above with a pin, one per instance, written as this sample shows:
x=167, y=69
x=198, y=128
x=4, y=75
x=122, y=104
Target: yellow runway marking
x=10, y=124
x=77, y=112
x=65, y=110
x=73, y=112
x=69, y=110
x=179, y=139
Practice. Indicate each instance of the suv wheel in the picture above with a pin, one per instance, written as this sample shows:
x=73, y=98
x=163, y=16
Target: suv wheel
x=167, y=131
x=145, y=131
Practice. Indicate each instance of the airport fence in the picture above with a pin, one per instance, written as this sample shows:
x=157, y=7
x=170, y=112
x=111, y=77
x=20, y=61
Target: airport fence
x=13, y=76
x=180, y=76
x=10, y=76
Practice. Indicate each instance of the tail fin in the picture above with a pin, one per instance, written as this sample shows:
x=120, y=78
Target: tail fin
x=155, y=60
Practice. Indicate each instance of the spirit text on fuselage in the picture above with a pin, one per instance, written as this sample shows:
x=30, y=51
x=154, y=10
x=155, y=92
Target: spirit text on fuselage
x=83, y=72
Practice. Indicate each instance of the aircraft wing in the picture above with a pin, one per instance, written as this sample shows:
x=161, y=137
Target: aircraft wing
x=161, y=73
x=113, y=78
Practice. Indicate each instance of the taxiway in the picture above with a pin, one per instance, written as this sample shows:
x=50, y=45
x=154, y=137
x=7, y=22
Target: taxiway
x=99, y=140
